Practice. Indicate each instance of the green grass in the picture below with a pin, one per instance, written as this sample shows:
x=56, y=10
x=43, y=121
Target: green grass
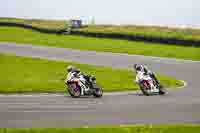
x=127, y=129
x=20, y=35
x=147, y=31
x=19, y=74
x=40, y=23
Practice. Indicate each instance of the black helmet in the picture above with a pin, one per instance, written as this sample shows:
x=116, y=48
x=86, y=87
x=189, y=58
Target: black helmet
x=138, y=67
x=135, y=65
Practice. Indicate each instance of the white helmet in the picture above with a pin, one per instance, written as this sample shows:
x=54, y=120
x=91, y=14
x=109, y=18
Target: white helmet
x=70, y=68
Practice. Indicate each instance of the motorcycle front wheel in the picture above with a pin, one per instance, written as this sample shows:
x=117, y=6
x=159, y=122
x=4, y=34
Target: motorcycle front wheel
x=74, y=91
x=144, y=89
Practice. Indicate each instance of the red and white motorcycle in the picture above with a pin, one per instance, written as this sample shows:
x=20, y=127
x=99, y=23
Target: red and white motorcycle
x=77, y=86
x=148, y=85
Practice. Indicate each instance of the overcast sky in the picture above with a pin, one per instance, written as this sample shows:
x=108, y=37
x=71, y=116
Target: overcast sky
x=163, y=12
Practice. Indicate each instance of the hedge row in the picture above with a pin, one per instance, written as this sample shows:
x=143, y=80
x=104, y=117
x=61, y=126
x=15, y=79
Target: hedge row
x=44, y=30
x=172, y=41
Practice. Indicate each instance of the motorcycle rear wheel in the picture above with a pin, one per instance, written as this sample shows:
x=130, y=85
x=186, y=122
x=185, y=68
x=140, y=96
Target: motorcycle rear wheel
x=98, y=92
x=162, y=91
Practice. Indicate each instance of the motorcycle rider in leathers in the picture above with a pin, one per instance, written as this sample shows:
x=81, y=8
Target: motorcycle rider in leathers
x=75, y=72
x=144, y=69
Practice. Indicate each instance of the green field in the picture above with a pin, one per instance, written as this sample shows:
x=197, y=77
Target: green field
x=19, y=74
x=46, y=24
x=20, y=35
x=125, y=129
x=147, y=31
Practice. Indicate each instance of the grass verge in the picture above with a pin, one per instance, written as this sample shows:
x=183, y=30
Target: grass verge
x=39, y=23
x=147, y=31
x=127, y=129
x=20, y=35
x=20, y=74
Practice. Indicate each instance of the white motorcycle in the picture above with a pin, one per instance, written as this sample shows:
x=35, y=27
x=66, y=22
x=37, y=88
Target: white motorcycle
x=148, y=85
x=79, y=87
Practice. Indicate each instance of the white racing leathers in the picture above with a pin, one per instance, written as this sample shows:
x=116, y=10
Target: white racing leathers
x=142, y=76
x=74, y=76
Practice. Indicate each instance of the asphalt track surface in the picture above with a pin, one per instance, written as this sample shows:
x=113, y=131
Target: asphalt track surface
x=54, y=110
